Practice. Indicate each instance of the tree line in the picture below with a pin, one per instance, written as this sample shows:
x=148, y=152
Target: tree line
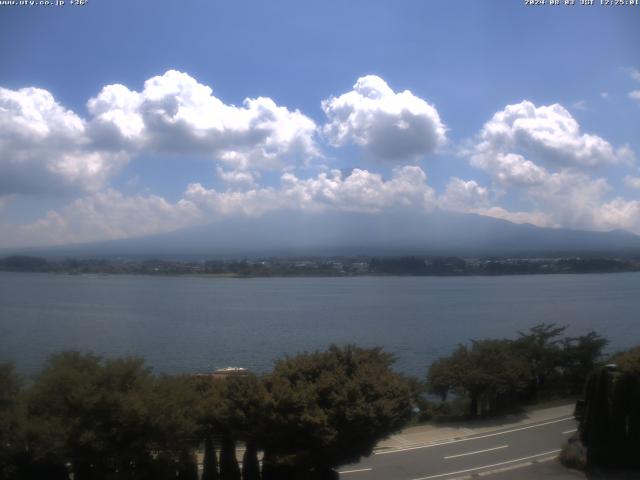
x=496, y=374
x=101, y=419
x=327, y=266
x=90, y=418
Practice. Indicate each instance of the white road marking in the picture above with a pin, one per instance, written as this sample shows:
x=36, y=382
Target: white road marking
x=487, y=466
x=570, y=431
x=447, y=442
x=478, y=451
x=355, y=471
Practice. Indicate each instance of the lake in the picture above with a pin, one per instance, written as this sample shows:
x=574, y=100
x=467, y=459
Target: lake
x=197, y=324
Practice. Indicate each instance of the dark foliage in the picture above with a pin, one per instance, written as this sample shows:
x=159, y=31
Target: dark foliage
x=250, y=465
x=329, y=408
x=490, y=373
x=10, y=435
x=114, y=419
x=24, y=264
x=610, y=427
x=187, y=466
x=498, y=374
x=229, y=469
x=209, y=462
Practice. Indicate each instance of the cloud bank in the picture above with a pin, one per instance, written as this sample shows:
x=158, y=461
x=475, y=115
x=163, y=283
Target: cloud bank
x=541, y=155
x=271, y=158
x=112, y=215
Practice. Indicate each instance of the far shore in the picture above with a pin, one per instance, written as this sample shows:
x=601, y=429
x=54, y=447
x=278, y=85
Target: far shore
x=352, y=266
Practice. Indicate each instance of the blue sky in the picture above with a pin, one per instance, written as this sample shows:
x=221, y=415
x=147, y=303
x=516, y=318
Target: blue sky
x=527, y=113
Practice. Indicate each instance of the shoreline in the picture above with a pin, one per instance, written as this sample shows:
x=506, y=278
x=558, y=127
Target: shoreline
x=319, y=275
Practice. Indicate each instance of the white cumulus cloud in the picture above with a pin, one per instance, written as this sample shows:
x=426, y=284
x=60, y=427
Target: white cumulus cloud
x=105, y=215
x=45, y=147
x=467, y=196
x=175, y=114
x=463, y=196
x=510, y=168
x=360, y=191
x=238, y=178
x=111, y=215
x=619, y=213
x=545, y=134
x=388, y=125
x=535, y=217
x=541, y=155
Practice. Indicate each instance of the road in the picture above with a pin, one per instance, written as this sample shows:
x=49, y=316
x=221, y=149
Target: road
x=467, y=456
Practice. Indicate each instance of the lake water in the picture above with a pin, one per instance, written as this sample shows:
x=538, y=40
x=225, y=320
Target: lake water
x=196, y=324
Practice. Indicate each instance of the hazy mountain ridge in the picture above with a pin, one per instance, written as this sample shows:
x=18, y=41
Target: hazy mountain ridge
x=298, y=234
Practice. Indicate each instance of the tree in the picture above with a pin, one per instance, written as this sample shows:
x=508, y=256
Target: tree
x=440, y=379
x=229, y=469
x=628, y=361
x=187, y=466
x=330, y=408
x=490, y=373
x=94, y=413
x=540, y=346
x=210, y=420
x=610, y=426
x=241, y=411
x=210, y=462
x=10, y=428
x=580, y=356
x=172, y=414
x=445, y=373
x=250, y=464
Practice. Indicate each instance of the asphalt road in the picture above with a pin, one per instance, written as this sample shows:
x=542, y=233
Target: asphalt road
x=465, y=456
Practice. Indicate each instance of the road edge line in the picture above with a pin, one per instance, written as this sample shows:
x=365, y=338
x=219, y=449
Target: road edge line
x=470, y=437
x=440, y=475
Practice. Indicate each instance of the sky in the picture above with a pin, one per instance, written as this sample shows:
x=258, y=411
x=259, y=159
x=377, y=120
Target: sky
x=121, y=119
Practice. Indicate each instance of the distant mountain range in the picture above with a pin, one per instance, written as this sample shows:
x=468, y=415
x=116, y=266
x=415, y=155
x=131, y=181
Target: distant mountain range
x=322, y=234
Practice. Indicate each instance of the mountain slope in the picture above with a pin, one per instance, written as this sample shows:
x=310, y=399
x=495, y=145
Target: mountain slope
x=438, y=233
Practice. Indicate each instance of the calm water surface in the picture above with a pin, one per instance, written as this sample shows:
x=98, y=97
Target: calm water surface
x=183, y=324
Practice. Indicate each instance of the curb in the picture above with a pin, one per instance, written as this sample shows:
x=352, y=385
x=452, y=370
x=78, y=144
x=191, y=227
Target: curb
x=444, y=441
x=504, y=469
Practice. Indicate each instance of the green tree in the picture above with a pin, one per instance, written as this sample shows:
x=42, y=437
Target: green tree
x=490, y=374
x=580, y=356
x=243, y=400
x=329, y=408
x=445, y=373
x=209, y=419
x=171, y=413
x=61, y=429
x=103, y=416
x=541, y=347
